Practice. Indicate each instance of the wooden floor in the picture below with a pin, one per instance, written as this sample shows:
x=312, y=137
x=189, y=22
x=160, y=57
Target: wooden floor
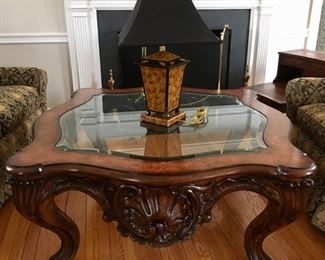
x=222, y=238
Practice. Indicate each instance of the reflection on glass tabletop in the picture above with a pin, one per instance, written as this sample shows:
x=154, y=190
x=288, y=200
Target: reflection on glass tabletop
x=110, y=124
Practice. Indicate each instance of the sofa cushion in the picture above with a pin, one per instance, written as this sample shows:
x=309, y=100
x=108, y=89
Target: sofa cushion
x=16, y=103
x=311, y=119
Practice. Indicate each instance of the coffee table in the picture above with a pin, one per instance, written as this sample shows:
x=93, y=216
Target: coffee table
x=158, y=184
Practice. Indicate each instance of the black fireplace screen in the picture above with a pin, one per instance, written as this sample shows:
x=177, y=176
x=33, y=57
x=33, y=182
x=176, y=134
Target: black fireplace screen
x=201, y=72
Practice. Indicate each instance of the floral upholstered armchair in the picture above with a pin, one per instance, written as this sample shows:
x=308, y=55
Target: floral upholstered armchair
x=306, y=110
x=22, y=100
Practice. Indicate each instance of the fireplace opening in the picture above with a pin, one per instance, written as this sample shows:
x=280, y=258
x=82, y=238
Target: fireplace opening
x=201, y=72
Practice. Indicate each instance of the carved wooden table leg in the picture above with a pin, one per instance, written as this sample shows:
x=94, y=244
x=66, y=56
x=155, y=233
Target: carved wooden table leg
x=35, y=201
x=286, y=202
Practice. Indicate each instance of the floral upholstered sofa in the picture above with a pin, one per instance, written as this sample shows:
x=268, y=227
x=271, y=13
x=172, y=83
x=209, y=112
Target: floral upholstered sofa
x=306, y=110
x=22, y=100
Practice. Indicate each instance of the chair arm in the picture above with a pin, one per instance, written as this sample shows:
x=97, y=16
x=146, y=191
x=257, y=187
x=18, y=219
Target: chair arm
x=27, y=76
x=303, y=91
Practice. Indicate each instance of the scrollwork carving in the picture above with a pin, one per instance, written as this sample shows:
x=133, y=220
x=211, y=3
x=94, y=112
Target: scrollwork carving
x=156, y=215
x=299, y=183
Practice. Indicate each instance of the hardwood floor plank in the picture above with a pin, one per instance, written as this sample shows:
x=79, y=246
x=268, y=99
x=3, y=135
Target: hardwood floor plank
x=236, y=239
x=30, y=244
x=8, y=242
x=101, y=246
x=222, y=226
x=5, y=215
x=190, y=249
x=244, y=215
x=220, y=215
x=220, y=239
x=311, y=233
x=201, y=247
x=284, y=250
x=91, y=238
x=128, y=248
x=304, y=247
x=115, y=243
x=44, y=244
x=164, y=253
x=217, y=244
x=176, y=252
x=19, y=239
x=147, y=252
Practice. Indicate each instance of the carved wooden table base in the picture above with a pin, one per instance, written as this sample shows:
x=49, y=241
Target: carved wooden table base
x=158, y=215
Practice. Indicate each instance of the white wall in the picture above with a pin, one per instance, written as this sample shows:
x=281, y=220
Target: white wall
x=33, y=33
x=53, y=58
x=32, y=16
x=294, y=25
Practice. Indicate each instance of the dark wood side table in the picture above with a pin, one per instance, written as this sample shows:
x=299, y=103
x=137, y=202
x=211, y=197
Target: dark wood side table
x=292, y=64
x=160, y=186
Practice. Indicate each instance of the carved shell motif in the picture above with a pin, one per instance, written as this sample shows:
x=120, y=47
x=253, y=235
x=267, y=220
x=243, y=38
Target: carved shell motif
x=154, y=216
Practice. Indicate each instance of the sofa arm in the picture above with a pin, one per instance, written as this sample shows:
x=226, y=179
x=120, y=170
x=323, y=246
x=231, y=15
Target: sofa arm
x=303, y=91
x=27, y=76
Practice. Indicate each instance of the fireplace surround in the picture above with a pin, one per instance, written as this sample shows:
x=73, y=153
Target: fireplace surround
x=202, y=71
x=82, y=26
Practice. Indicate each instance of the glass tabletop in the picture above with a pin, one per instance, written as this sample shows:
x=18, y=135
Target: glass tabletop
x=110, y=124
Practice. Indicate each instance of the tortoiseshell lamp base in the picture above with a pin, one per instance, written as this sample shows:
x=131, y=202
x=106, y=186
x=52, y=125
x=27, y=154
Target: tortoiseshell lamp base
x=163, y=121
x=162, y=75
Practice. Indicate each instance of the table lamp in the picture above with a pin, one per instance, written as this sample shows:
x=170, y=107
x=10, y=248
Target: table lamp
x=160, y=23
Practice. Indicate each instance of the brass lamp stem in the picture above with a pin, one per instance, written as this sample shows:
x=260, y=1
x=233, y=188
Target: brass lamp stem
x=222, y=36
x=143, y=56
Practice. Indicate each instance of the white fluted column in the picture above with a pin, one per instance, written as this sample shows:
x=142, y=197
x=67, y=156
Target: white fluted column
x=83, y=48
x=83, y=43
x=260, y=53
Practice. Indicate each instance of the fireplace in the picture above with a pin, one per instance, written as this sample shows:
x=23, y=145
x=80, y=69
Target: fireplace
x=202, y=71
x=82, y=25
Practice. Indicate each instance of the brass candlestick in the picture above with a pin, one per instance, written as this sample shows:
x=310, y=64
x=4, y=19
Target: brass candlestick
x=111, y=80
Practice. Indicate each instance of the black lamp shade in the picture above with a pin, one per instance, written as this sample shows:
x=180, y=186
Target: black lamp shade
x=163, y=22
